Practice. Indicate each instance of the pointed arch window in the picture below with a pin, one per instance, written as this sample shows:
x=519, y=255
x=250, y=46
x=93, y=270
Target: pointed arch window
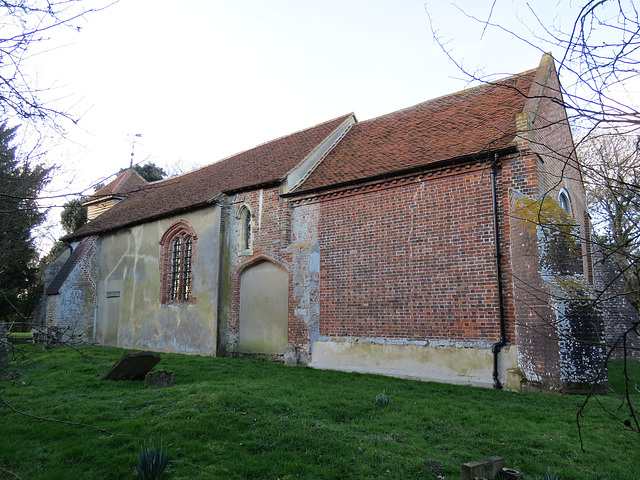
x=246, y=233
x=176, y=263
x=563, y=200
x=181, y=269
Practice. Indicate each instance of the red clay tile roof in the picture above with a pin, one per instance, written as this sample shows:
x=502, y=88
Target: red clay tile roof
x=263, y=165
x=467, y=123
x=125, y=182
x=470, y=122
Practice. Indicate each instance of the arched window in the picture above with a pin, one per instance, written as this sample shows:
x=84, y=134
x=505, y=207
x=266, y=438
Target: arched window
x=176, y=263
x=246, y=234
x=181, y=269
x=563, y=200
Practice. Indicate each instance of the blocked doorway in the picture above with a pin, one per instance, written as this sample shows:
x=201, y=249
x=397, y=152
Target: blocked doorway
x=264, y=307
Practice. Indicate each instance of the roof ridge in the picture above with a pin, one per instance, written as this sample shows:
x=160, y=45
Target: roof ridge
x=119, y=182
x=249, y=149
x=122, y=180
x=453, y=94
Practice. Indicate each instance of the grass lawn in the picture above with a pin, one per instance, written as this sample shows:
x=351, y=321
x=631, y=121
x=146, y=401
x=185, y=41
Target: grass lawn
x=240, y=419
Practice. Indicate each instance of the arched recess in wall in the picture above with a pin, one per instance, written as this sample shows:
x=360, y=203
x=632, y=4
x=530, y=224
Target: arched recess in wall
x=245, y=237
x=264, y=309
x=177, y=248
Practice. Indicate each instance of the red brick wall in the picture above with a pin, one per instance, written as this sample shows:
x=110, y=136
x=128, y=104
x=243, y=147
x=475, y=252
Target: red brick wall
x=557, y=166
x=547, y=165
x=271, y=234
x=411, y=259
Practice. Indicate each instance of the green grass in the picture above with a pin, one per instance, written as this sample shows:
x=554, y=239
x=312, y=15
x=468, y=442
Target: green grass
x=242, y=419
x=19, y=337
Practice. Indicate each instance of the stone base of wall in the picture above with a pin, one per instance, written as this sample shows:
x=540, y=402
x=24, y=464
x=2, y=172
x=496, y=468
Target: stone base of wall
x=445, y=364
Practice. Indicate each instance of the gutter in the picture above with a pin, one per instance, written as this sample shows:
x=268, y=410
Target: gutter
x=454, y=162
x=497, y=347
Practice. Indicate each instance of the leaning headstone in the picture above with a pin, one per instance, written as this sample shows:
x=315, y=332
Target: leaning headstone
x=487, y=468
x=132, y=366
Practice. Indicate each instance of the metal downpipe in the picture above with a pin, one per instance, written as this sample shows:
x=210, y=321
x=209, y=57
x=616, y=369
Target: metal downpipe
x=497, y=347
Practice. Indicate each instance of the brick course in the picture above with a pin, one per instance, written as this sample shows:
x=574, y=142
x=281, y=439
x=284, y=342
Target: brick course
x=410, y=258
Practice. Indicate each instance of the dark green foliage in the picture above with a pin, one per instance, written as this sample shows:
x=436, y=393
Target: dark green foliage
x=73, y=216
x=151, y=463
x=150, y=172
x=382, y=400
x=20, y=185
x=548, y=476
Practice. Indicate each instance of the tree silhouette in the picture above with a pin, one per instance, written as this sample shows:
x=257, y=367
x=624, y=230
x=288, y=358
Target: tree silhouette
x=20, y=185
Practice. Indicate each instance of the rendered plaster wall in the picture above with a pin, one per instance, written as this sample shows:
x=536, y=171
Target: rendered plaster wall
x=305, y=249
x=129, y=311
x=72, y=310
x=417, y=360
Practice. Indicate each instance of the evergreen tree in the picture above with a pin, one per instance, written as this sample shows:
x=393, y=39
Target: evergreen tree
x=73, y=216
x=20, y=185
x=150, y=172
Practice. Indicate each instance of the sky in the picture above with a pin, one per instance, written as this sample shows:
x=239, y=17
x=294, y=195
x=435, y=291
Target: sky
x=195, y=81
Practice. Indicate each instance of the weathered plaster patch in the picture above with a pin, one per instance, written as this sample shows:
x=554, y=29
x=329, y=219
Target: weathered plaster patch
x=416, y=360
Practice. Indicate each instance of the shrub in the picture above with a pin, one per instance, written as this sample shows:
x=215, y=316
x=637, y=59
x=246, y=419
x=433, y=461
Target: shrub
x=151, y=463
x=382, y=400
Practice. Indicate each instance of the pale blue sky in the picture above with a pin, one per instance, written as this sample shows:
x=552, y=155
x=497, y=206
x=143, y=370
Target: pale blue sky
x=202, y=80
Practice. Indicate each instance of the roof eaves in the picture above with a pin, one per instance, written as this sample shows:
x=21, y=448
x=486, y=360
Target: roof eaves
x=267, y=184
x=93, y=199
x=407, y=171
x=73, y=237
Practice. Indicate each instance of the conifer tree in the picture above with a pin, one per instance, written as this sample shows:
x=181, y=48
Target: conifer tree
x=20, y=185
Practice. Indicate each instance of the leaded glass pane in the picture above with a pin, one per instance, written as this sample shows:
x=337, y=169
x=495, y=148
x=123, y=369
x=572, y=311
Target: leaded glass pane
x=188, y=249
x=176, y=269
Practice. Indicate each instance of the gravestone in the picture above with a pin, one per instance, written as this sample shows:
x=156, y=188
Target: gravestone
x=159, y=378
x=132, y=366
x=487, y=468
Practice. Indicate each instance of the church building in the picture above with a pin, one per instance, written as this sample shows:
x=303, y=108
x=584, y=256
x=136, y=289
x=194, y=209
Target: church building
x=448, y=242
